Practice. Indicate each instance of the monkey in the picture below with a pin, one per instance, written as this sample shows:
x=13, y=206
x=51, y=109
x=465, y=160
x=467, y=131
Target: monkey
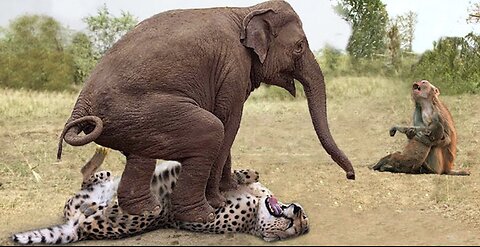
x=432, y=140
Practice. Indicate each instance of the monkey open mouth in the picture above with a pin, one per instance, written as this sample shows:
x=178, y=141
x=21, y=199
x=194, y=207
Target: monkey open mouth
x=416, y=87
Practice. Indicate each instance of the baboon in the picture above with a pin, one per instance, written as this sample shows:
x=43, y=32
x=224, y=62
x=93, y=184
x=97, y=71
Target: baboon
x=432, y=144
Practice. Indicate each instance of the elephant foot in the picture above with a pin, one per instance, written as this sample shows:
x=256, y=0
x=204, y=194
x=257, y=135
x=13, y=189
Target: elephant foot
x=134, y=195
x=215, y=199
x=198, y=213
x=228, y=183
x=140, y=205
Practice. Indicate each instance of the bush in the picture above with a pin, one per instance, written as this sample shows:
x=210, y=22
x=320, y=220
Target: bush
x=453, y=65
x=84, y=60
x=33, y=57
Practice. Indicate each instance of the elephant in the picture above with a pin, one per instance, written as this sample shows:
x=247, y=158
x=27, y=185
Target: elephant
x=174, y=88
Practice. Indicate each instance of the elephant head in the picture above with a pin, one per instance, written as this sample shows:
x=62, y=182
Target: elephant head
x=280, y=54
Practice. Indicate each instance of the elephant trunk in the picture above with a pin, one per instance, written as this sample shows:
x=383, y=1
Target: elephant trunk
x=311, y=77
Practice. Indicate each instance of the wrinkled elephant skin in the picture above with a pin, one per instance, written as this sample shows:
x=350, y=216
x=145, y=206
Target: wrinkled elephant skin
x=174, y=87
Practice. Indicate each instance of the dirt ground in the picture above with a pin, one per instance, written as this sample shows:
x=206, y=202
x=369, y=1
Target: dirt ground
x=276, y=139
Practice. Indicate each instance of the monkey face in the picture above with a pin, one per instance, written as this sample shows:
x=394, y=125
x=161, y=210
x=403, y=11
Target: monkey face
x=424, y=90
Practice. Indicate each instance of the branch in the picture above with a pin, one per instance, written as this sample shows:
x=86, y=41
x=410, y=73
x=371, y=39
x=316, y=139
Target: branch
x=475, y=15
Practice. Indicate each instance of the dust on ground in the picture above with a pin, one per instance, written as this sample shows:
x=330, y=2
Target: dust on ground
x=277, y=139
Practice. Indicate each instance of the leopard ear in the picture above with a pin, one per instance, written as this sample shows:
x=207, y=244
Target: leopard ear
x=436, y=90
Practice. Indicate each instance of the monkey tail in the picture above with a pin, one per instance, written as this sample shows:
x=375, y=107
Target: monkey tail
x=73, y=128
x=458, y=173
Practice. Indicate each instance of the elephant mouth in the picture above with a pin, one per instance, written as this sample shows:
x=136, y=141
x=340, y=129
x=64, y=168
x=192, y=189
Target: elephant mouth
x=287, y=77
x=286, y=80
x=273, y=207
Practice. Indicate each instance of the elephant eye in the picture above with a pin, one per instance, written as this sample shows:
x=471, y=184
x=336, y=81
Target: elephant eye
x=299, y=47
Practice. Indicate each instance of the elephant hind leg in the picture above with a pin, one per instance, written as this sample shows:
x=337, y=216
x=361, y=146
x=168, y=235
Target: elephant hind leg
x=134, y=196
x=172, y=128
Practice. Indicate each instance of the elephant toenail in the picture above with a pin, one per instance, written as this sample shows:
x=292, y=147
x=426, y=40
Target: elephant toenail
x=211, y=217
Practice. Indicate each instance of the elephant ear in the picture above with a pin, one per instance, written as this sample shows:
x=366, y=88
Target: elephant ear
x=257, y=32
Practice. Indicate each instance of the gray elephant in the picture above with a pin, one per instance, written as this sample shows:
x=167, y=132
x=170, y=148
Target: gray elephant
x=174, y=87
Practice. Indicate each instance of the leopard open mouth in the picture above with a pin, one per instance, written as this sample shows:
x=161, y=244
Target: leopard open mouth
x=273, y=207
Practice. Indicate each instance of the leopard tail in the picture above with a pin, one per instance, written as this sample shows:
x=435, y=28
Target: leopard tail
x=59, y=234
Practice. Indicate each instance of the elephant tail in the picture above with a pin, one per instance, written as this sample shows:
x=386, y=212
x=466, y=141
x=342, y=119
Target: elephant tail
x=73, y=128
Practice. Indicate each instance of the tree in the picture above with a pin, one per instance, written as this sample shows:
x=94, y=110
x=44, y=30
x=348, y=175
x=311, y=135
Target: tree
x=105, y=29
x=33, y=56
x=84, y=60
x=330, y=59
x=406, y=25
x=474, y=16
x=368, y=19
x=393, y=36
x=453, y=64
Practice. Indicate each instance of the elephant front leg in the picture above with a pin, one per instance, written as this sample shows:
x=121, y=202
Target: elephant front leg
x=227, y=182
x=134, y=196
x=217, y=181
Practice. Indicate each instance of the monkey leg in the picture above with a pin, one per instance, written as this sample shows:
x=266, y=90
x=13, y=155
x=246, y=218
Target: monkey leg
x=382, y=164
x=440, y=160
x=458, y=173
x=399, y=163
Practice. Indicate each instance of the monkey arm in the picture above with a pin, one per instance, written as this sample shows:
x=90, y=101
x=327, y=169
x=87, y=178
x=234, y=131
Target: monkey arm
x=433, y=135
x=409, y=131
x=444, y=141
x=426, y=135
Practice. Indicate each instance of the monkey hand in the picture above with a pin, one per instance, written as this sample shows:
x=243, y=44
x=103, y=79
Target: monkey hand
x=393, y=130
x=411, y=132
x=424, y=138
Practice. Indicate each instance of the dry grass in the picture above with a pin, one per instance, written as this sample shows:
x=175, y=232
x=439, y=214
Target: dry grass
x=277, y=139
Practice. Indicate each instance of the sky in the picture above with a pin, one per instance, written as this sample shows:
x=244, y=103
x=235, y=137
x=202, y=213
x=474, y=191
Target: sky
x=436, y=18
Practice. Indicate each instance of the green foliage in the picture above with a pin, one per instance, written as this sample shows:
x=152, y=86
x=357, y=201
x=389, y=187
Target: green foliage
x=474, y=13
x=32, y=55
x=453, y=65
x=393, y=42
x=368, y=19
x=268, y=92
x=406, y=25
x=36, y=52
x=334, y=63
x=331, y=60
x=105, y=29
x=84, y=61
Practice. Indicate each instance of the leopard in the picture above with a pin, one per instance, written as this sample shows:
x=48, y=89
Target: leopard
x=93, y=213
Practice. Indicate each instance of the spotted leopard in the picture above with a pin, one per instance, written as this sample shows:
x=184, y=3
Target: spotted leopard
x=93, y=212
